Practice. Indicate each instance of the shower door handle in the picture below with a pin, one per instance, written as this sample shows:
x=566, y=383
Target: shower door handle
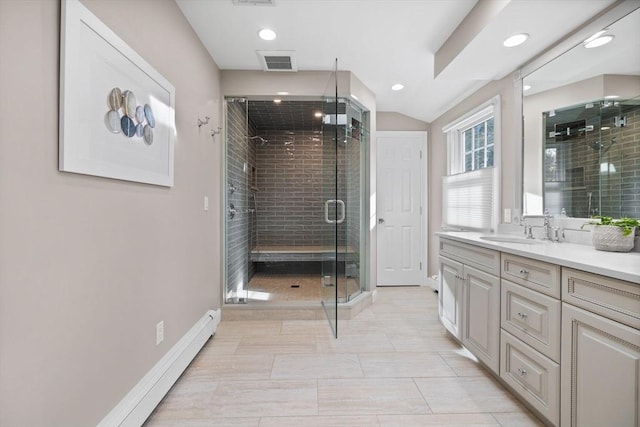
x=342, y=212
x=326, y=212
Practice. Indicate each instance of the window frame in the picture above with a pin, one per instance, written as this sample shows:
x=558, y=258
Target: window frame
x=456, y=149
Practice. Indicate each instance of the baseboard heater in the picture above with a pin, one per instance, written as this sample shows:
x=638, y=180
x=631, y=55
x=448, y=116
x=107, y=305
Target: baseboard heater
x=138, y=404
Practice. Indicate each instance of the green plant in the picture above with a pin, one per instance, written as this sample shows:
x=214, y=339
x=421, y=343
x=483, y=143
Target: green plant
x=626, y=224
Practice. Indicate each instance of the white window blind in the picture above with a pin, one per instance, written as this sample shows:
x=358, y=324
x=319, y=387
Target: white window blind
x=471, y=198
x=467, y=200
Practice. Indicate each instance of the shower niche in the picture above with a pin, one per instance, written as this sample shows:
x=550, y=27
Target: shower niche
x=278, y=156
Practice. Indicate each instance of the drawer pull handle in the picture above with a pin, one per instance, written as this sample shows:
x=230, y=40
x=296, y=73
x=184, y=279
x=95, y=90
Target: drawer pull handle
x=524, y=272
x=522, y=315
x=522, y=372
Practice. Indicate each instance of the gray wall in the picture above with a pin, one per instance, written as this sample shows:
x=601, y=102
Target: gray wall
x=616, y=194
x=89, y=265
x=290, y=205
x=438, y=154
x=390, y=121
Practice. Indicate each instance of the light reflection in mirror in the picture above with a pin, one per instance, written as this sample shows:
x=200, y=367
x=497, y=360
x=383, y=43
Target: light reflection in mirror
x=590, y=87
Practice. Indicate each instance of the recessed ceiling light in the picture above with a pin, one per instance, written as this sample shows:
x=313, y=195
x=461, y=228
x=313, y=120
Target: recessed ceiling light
x=283, y=93
x=267, y=34
x=597, y=42
x=612, y=97
x=526, y=87
x=515, y=40
x=277, y=101
x=595, y=36
x=318, y=114
x=397, y=86
x=354, y=97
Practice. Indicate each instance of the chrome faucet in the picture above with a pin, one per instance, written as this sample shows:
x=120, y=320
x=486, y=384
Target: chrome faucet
x=548, y=231
x=528, y=231
x=551, y=233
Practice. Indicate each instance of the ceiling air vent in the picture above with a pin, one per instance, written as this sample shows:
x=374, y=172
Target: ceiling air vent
x=278, y=60
x=253, y=2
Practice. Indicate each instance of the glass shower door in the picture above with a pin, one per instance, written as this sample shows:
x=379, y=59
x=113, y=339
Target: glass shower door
x=333, y=209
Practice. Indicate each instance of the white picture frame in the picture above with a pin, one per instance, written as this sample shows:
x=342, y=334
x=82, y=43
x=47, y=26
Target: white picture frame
x=93, y=62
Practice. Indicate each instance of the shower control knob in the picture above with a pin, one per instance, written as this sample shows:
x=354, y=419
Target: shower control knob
x=380, y=220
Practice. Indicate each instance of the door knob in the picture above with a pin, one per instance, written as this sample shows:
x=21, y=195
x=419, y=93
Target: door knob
x=380, y=220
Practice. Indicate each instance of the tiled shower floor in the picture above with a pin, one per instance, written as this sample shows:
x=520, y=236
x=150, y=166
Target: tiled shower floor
x=283, y=287
x=392, y=365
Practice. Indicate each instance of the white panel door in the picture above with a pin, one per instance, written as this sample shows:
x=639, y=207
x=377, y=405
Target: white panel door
x=399, y=207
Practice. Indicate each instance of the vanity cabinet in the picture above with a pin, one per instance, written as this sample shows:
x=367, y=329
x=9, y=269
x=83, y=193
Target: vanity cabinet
x=469, y=298
x=530, y=337
x=600, y=351
x=565, y=341
x=450, y=296
x=481, y=316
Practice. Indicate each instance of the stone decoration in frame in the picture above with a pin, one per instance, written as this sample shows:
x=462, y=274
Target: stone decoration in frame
x=117, y=116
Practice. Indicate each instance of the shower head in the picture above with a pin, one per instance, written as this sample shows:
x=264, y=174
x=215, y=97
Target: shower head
x=596, y=145
x=613, y=141
x=259, y=140
x=599, y=146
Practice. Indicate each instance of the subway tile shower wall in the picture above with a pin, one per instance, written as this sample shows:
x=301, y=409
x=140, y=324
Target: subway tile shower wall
x=289, y=189
x=237, y=228
x=616, y=193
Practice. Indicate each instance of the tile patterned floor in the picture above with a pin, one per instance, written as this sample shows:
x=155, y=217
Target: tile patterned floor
x=392, y=365
x=283, y=287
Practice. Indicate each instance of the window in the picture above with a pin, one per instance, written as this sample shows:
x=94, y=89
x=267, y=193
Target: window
x=478, y=146
x=470, y=191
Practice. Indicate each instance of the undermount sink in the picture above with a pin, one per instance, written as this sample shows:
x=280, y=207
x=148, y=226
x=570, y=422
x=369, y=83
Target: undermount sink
x=511, y=239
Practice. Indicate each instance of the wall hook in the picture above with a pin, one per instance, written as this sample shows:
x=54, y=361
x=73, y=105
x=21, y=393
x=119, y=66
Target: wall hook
x=215, y=131
x=203, y=122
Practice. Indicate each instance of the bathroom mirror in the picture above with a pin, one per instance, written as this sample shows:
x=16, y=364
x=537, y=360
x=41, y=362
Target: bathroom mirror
x=581, y=124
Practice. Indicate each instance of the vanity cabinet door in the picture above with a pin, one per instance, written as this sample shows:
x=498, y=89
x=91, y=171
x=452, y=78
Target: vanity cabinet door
x=600, y=371
x=450, y=296
x=481, y=314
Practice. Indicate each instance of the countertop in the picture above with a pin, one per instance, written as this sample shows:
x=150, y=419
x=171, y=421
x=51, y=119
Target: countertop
x=619, y=265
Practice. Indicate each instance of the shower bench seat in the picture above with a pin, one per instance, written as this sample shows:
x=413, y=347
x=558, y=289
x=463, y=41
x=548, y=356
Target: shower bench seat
x=282, y=253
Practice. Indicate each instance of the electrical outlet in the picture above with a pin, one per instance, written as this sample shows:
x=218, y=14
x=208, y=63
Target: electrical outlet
x=507, y=216
x=159, y=332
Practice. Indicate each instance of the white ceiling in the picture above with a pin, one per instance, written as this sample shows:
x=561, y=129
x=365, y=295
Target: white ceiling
x=389, y=41
x=621, y=56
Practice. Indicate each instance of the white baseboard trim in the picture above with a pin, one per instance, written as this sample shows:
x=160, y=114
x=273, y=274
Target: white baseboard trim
x=138, y=404
x=432, y=282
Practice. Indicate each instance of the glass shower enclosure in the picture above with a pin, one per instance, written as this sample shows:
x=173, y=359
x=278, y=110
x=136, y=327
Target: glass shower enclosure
x=294, y=228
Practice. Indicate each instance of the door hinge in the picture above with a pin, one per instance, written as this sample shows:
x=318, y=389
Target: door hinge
x=420, y=266
x=420, y=153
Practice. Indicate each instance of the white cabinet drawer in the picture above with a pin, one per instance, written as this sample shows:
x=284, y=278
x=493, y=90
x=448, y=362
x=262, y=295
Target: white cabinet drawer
x=533, y=376
x=483, y=259
x=537, y=275
x=612, y=298
x=532, y=317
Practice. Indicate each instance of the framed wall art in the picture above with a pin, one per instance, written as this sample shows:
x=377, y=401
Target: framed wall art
x=117, y=116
